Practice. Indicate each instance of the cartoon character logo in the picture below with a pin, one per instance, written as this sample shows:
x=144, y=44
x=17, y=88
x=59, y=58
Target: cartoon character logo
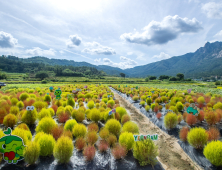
x=58, y=93
x=192, y=109
x=112, y=111
x=30, y=108
x=51, y=88
x=11, y=147
x=189, y=90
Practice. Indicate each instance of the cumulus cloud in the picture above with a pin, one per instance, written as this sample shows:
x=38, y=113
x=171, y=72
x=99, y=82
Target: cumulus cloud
x=97, y=60
x=97, y=48
x=162, y=32
x=162, y=56
x=7, y=40
x=74, y=40
x=127, y=63
x=213, y=10
x=36, y=51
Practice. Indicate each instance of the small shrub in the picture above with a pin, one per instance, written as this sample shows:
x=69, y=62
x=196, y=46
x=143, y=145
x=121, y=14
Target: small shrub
x=80, y=143
x=89, y=152
x=126, y=139
x=213, y=152
x=179, y=106
x=10, y=120
x=122, y=111
x=70, y=124
x=191, y=120
x=79, y=116
x=47, y=98
x=125, y=118
x=197, y=137
x=20, y=105
x=183, y=133
x=67, y=133
x=180, y=118
x=63, y=117
x=145, y=152
x=104, y=133
x=95, y=115
x=130, y=127
x=147, y=108
x=213, y=134
x=39, y=105
x=70, y=102
x=142, y=103
x=106, y=115
x=29, y=117
x=135, y=98
x=14, y=101
x=170, y=120
x=103, y=145
x=24, y=134
x=93, y=127
x=158, y=115
x=218, y=106
x=54, y=107
x=57, y=131
x=45, y=125
x=119, y=152
x=46, y=143
x=185, y=116
x=117, y=116
x=23, y=96
x=148, y=101
x=79, y=130
x=63, y=149
x=90, y=104
x=211, y=117
x=23, y=126
x=31, y=152
x=112, y=140
x=44, y=113
x=200, y=116
x=113, y=126
x=111, y=102
x=91, y=137
x=14, y=110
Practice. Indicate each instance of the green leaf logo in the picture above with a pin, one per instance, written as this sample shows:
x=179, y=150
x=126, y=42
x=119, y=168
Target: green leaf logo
x=8, y=132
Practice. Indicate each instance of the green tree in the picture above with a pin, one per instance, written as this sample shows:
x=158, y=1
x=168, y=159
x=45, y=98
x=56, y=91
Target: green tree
x=41, y=75
x=180, y=76
x=173, y=79
x=162, y=77
x=122, y=75
x=152, y=77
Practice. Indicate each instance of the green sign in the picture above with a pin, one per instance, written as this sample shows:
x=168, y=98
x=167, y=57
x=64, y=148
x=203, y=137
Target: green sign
x=144, y=137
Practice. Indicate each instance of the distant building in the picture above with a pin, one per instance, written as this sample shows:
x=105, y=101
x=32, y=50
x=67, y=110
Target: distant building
x=2, y=84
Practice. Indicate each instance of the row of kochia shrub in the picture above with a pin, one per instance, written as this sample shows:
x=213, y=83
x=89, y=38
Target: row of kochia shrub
x=210, y=111
x=52, y=139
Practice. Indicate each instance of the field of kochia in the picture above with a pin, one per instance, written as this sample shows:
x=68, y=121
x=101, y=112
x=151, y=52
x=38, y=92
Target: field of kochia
x=88, y=118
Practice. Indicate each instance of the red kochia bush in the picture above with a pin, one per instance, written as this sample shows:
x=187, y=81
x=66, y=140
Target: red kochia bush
x=80, y=143
x=200, y=116
x=119, y=152
x=89, y=152
x=125, y=118
x=54, y=107
x=103, y=146
x=63, y=117
x=191, y=119
x=57, y=131
x=2, y=114
x=93, y=127
x=219, y=114
x=213, y=134
x=158, y=115
x=183, y=133
x=211, y=117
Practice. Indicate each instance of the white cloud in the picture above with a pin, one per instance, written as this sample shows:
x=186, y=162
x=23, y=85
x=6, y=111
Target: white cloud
x=97, y=60
x=162, y=32
x=7, y=40
x=97, y=48
x=140, y=57
x=61, y=52
x=36, y=51
x=74, y=40
x=217, y=36
x=161, y=56
x=213, y=10
x=127, y=63
x=129, y=53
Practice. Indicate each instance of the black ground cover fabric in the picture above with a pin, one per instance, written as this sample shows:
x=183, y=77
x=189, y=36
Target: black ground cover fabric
x=196, y=155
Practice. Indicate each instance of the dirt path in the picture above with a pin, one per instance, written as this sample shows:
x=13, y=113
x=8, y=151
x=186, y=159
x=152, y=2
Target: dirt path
x=171, y=155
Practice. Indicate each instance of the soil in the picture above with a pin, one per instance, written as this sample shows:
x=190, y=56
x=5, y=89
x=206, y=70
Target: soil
x=171, y=155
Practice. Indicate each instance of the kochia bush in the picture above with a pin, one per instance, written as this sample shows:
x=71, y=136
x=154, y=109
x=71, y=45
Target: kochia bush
x=44, y=113
x=145, y=152
x=46, y=143
x=113, y=126
x=197, y=137
x=130, y=127
x=29, y=117
x=63, y=149
x=70, y=124
x=79, y=130
x=179, y=106
x=95, y=115
x=213, y=152
x=170, y=120
x=10, y=120
x=45, y=125
x=31, y=152
x=122, y=111
x=126, y=139
x=90, y=104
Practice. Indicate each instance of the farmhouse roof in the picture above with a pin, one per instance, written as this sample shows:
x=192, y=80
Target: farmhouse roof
x=2, y=84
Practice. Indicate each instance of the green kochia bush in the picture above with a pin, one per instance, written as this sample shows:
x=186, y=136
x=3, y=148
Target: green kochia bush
x=31, y=152
x=179, y=106
x=47, y=98
x=113, y=126
x=148, y=101
x=46, y=143
x=79, y=130
x=70, y=124
x=63, y=149
x=122, y=111
x=90, y=104
x=70, y=102
x=45, y=125
x=23, y=96
x=126, y=139
x=130, y=127
x=145, y=152
x=29, y=117
x=213, y=152
x=20, y=105
x=44, y=113
x=197, y=137
x=170, y=120
x=95, y=115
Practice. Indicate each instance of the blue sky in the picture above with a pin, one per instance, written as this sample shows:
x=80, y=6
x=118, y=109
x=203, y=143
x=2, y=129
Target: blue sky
x=119, y=33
